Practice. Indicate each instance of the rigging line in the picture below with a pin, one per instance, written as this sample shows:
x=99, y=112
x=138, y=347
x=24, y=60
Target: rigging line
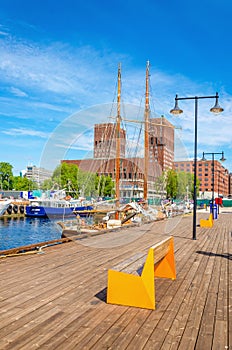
x=88, y=172
x=114, y=98
x=135, y=153
x=131, y=149
x=133, y=156
x=101, y=170
x=105, y=162
x=151, y=98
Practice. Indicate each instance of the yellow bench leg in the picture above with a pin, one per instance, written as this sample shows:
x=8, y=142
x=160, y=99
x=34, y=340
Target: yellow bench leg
x=129, y=290
x=139, y=291
x=166, y=267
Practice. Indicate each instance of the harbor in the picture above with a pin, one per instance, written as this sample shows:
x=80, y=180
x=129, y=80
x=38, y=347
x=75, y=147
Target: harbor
x=21, y=231
x=57, y=299
x=115, y=176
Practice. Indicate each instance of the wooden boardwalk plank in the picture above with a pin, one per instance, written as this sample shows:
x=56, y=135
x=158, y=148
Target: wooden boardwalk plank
x=57, y=300
x=190, y=316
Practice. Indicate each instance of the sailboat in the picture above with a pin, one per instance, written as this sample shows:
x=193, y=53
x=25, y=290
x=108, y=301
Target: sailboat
x=146, y=147
x=146, y=137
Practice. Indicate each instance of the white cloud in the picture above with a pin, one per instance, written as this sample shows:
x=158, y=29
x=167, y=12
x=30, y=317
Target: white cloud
x=17, y=92
x=3, y=33
x=25, y=132
x=57, y=69
x=57, y=79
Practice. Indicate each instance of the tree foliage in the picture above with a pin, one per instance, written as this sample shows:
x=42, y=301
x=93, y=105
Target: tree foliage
x=160, y=184
x=23, y=184
x=104, y=186
x=6, y=176
x=77, y=182
x=171, y=183
x=180, y=184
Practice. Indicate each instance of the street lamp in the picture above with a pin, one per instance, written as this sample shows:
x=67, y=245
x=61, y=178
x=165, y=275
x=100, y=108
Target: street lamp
x=222, y=159
x=176, y=111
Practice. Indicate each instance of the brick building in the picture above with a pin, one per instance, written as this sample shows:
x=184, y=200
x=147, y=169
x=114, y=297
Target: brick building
x=205, y=176
x=161, y=142
x=105, y=141
x=161, y=157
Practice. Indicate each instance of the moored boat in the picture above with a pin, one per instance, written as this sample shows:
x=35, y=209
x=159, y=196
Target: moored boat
x=49, y=208
x=4, y=204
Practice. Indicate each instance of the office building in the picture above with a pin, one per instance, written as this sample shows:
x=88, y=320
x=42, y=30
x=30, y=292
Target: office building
x=205, y=175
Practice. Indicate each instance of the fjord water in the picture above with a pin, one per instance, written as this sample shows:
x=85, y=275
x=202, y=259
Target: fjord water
x=17, y=232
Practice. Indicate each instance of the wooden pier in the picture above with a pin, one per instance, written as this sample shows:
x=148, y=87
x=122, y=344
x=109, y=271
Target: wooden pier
x=57, y=300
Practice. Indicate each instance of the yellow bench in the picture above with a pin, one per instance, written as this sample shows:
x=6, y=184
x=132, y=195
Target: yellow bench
x=125, y=287
x=208, y=222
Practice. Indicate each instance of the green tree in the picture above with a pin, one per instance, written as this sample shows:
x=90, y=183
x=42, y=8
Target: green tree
x=185, y=184
x=74, y=180
x=160, y=184
x=6, y=176
x=171, y=184
x=65, y=177
x=23, y=184
x=104, y=185
x=48, y=184
x=86, y=183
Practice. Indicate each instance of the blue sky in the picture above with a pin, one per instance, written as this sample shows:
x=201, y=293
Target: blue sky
x=58, y=72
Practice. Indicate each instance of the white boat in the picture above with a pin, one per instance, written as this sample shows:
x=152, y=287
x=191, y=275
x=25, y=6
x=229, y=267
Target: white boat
x=4, y=204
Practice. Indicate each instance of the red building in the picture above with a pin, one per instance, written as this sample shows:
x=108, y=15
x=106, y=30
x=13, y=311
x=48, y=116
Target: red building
x=161, y=156
x=161, y=142
x=105, y=141
x=205, y=176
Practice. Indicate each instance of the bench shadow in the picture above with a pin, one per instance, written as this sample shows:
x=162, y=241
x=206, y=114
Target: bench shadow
x=102, y=295
x=225, y=255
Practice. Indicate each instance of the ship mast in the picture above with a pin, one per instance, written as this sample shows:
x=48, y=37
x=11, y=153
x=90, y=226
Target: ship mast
x=146, y=135
x=118, y=120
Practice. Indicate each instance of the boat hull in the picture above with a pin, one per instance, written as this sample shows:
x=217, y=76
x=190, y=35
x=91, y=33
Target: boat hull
x=43, y=212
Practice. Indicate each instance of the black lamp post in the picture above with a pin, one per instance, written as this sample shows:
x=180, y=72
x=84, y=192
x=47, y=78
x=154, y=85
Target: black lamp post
x=176, y=110
x=222, y=160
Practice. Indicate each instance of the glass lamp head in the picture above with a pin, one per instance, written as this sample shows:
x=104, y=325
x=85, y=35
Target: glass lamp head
x=176, y=110
x=203, y=157
x=216, y=108
x=223, y=159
